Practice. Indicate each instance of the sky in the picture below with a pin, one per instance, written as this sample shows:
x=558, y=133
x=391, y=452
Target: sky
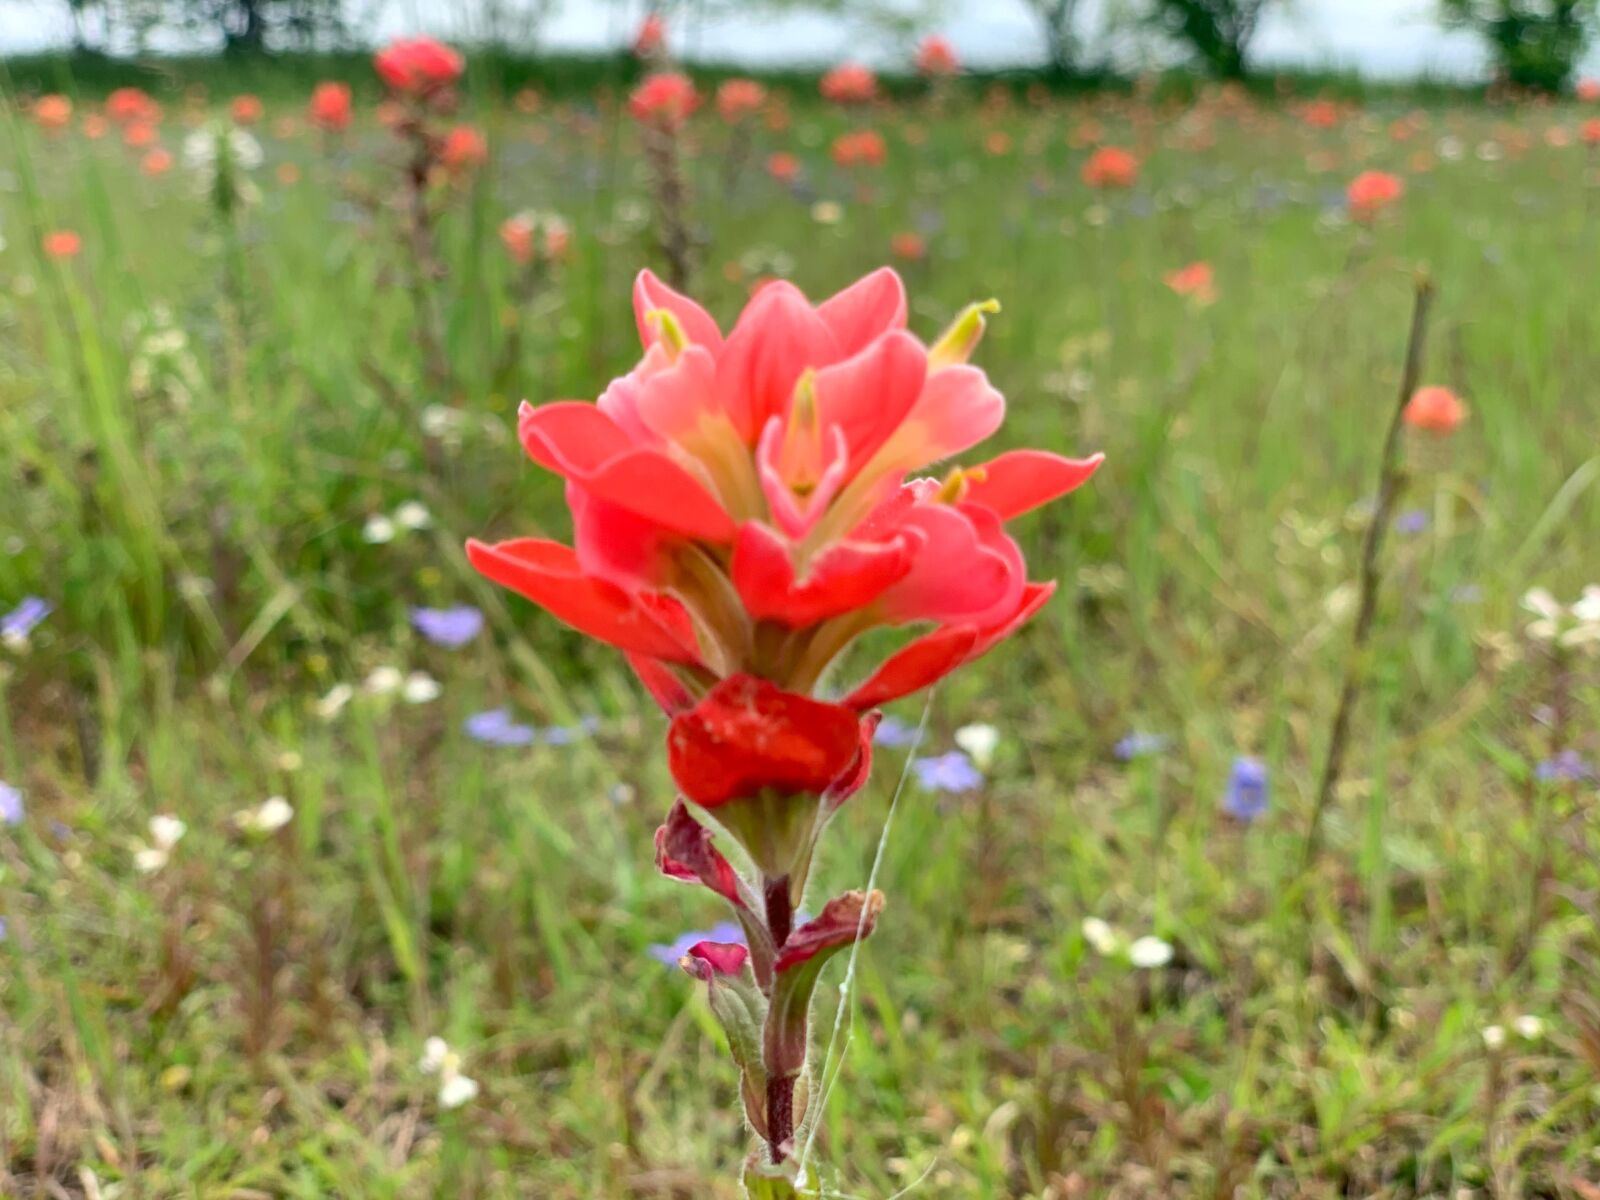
x=1385, y=38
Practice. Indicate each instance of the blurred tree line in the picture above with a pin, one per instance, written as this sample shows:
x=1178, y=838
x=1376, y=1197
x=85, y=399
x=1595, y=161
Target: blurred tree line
x=1533, y=43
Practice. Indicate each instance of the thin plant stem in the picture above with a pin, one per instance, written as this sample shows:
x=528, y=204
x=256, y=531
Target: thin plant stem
x=1391, y=481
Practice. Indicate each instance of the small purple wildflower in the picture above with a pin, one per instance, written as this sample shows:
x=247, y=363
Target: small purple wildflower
x=560, y=735
x=1246, y=796
x=496, y=728
x=10, y=804
x=2, y=929
x=1566, y=767
x=1138, y=745
x=1467, y=593
x=1412, y=521
x=895, y=734
x=668, y=953
x=950, y=772
x=451, y=627
x=24, y=618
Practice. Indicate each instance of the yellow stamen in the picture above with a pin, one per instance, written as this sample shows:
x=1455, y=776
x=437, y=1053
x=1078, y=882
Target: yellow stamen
x=670, y=329
x=959, y=341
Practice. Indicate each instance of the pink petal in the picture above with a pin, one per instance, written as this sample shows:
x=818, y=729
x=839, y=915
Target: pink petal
x=580, y=443
x=725, y=958
x=865, y=310
x=870, y=394
x=1021, y=480
x=650, y=293
x=794, y=514
x=957, y=410
x=778, y=336
x=965, y=569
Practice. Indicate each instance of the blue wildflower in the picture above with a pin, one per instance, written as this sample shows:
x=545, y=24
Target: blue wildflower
x=1246, y=796
x=1412, y=521
x=498, y=729
x=668, y=953
x=1566, y=767
x=452, y=627
x=10, y=804
x=895, y=733
x=1138, y=745
x=2, y=929
x=22, y=620
x=951, y=772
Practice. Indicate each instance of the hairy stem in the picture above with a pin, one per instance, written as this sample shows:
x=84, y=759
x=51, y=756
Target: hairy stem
x=1391, y=480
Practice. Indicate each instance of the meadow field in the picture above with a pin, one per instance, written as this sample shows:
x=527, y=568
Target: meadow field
x=248, y=420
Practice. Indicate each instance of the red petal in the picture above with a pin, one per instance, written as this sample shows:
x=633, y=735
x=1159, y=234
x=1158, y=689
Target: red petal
x=849, y=784
x=662, y=684
x=915, y=666
x=548, y=574
x=843, y=920
x=844, y=577
x=749, y=736
x=684, y=851
x=1033, y=599
x=580, y=443
x=723, y=958
x=650, y=293
x=1021, y=480
x=866, y=309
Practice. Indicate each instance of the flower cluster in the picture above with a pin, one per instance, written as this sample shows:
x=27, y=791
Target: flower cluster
x=746, y=506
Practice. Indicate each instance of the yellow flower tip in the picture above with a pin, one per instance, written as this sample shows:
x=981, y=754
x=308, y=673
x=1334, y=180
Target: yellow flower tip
x=963, y=336
x=954, y=488
x=670, y=330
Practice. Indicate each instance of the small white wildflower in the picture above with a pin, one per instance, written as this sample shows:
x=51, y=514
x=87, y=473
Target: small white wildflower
x=827, y=212
x=1529, y=1027
x=1543, y=605
x=271, y=815
x=1451, y=148
x=165, y=833
x=289, y=760
x=1149, y=953
x=439, y=420
x=1494, y=1036
x=378, y=530
x=980, y=743
x=331, y=705
x=455, y=1089
x=413, y=515
x=383, y=681
x=1100, y=935
x=420, y=688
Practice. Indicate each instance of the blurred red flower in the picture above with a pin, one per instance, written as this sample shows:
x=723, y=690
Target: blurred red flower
x=1111, y=167
x=418, y=66
x=62, y=243
x=936, y=57
x=463, y=149
x=246, y=109
x=1371, y=192
x=664, y=100
x=330, y=107
x=1434, y=410
x=861, y=147
x=737, y=97
x=52, y=112
x=849, y=83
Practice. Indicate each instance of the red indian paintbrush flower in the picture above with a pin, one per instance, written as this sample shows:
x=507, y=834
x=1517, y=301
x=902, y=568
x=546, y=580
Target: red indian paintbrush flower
x=417, y=66
x=53, y=112
x=1111, y=167
x=745, y=507
x=330, y=107
x=664, y=100
x=936, y=57
x=749, y=504
x=738, y=97
x=849, y=83
x=1371, y=192
x=1434, y=409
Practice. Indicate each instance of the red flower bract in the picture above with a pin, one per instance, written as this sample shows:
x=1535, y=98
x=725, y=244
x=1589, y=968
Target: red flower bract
x=417, y=66
x=748, y=736
x=750, y=504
